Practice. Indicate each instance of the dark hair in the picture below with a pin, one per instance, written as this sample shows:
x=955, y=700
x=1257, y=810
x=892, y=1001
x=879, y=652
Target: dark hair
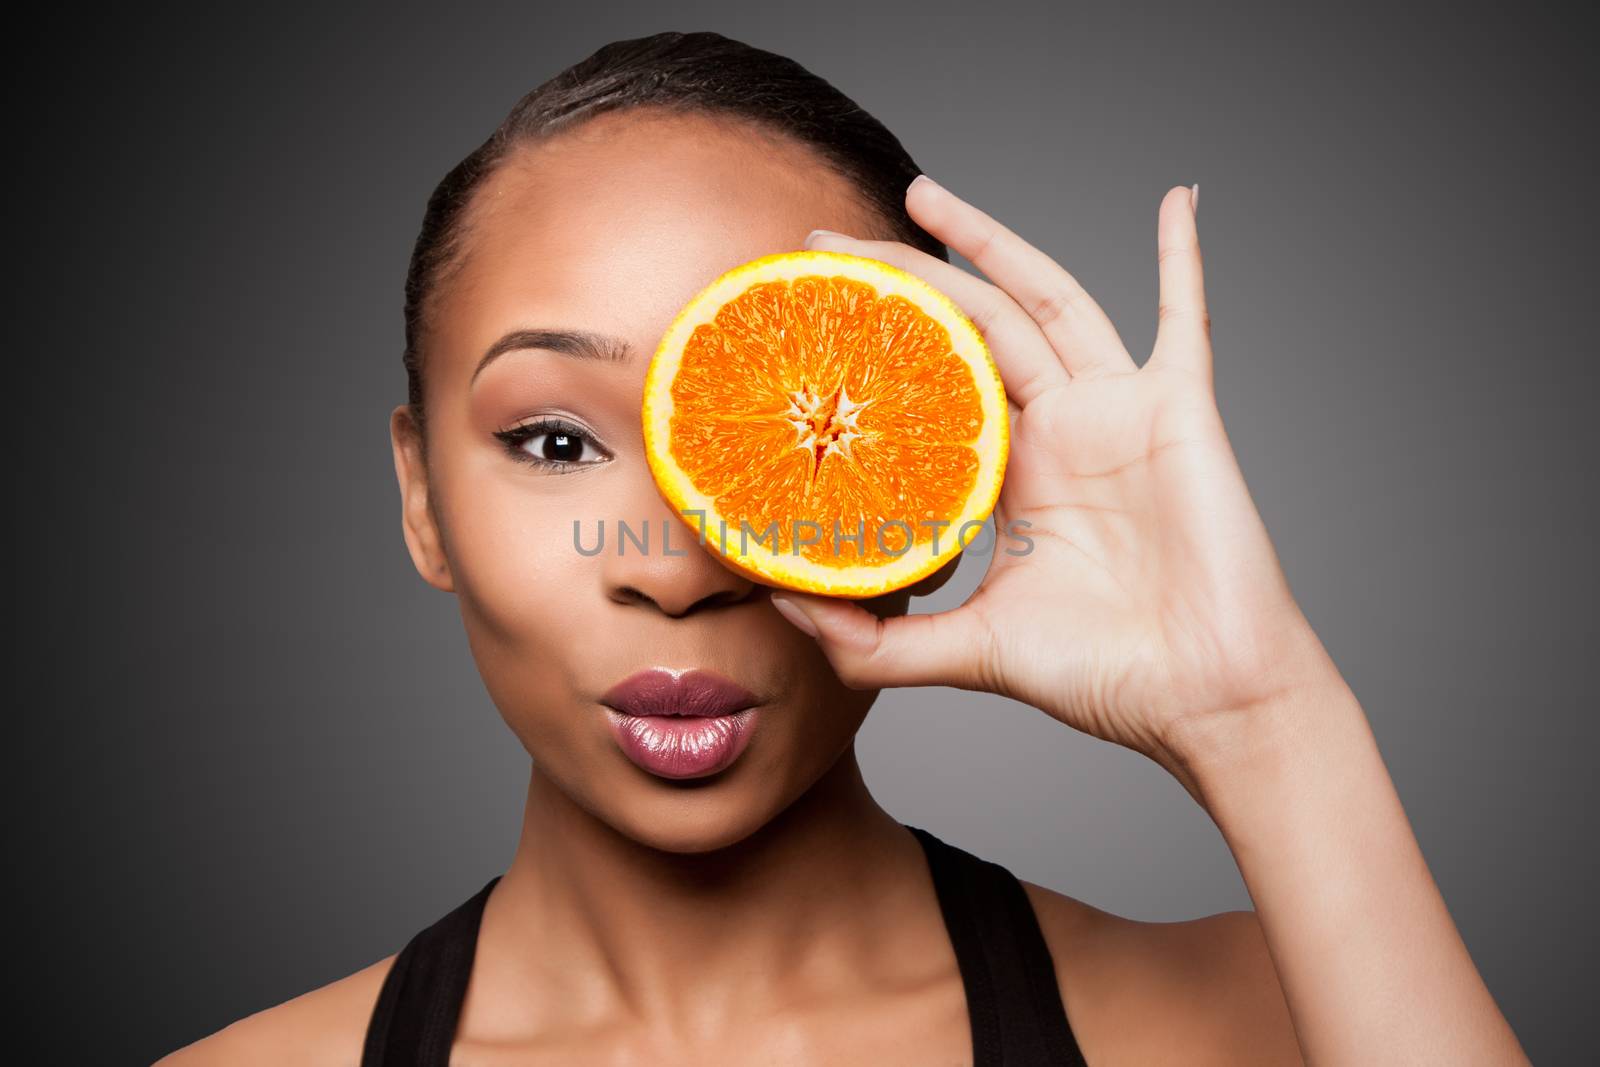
x=703, y=73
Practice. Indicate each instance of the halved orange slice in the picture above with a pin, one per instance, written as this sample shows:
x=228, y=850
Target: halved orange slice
x=827, y=422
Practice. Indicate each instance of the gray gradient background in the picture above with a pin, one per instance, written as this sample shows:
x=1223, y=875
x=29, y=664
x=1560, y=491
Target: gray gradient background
x=257, y=755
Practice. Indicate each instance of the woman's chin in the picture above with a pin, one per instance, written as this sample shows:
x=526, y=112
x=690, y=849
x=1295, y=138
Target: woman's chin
x=693, y=821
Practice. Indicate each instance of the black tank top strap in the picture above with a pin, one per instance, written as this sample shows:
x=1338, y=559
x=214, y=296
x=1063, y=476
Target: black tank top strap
x=414, y=1021
x=1013, y=999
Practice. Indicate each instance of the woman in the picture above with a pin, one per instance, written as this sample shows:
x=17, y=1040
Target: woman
x=757, y=905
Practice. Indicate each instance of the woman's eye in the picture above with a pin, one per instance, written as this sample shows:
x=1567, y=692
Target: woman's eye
x=552, y=444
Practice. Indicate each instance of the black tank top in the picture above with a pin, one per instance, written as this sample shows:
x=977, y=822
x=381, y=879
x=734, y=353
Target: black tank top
x=1013, y=1002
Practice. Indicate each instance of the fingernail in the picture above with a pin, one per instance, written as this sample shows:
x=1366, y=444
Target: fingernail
x=814, y=234
x=795, y=614
x=923, y=178
x=1194, y=198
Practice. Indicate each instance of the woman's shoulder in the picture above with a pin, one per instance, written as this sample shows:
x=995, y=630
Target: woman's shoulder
x=1199, y=991
x=326, y=1025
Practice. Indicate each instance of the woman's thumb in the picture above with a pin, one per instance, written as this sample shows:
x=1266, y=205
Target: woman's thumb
x=869, y=652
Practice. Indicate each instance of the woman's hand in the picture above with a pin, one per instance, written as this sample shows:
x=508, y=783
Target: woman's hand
x=1152, y=597
x=1152, y=612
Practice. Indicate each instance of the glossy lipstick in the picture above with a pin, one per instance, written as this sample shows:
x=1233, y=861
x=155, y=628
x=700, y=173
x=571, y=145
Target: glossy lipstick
x=680, y=724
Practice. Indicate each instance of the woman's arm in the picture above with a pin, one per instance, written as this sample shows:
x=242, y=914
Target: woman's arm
x=1150, y=610
x=1370, y=962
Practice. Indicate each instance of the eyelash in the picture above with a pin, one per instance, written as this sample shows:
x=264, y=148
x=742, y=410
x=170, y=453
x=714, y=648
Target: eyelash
x=518, y=436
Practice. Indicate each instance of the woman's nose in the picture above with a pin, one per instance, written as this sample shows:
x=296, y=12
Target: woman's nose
x=655, y=559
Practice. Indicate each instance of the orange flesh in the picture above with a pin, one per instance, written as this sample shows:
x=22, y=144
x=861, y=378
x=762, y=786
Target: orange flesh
x=817, y=400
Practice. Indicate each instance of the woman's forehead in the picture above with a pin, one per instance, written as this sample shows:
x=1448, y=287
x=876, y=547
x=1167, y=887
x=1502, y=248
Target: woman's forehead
x=615, y=227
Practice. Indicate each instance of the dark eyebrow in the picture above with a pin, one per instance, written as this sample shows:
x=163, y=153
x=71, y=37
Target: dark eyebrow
x=580, y=344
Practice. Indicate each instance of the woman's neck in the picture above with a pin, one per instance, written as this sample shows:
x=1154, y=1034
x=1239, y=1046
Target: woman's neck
x=589, y=925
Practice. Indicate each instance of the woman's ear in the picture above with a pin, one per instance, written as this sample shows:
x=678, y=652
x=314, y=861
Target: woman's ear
x=417, y=519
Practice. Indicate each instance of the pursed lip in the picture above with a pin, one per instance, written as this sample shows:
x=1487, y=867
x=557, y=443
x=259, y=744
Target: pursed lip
x=659, y=691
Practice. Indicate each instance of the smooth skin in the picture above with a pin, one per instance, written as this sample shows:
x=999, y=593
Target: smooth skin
x=775, y=913
x=1153, y=613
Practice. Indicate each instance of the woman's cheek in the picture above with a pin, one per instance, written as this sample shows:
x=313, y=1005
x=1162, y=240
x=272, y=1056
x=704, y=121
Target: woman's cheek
x=518, y=572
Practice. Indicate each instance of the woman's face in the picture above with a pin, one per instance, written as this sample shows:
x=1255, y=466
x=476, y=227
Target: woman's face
x=610, y=229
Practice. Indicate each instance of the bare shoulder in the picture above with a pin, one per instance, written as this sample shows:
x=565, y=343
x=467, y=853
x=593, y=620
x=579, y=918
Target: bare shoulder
x=326, y=1026
x=1196, y=992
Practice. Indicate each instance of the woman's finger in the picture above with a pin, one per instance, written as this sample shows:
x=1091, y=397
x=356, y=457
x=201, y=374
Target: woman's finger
x=1027, y=364
x=1083, y=337
x=1183, y=325
x=868, y=652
